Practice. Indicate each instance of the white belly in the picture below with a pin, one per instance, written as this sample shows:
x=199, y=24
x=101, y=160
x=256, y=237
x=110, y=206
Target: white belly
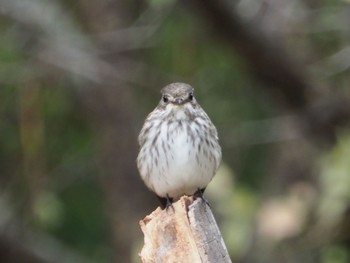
x=178, y=164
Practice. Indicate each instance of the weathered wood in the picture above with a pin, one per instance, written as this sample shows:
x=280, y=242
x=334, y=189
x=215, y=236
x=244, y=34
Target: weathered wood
x=185, y=232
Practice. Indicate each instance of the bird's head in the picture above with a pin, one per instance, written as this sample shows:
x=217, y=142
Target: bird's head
x=177, y=94
x=178, y=102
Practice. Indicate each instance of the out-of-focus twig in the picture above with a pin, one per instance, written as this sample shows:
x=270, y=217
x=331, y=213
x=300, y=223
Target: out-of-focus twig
x=281, y=74
x=268, y=62
x=58, y=41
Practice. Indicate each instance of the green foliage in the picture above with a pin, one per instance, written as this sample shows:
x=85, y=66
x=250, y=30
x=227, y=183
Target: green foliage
x=335, y=254
x=55, y=188
x=84, y=225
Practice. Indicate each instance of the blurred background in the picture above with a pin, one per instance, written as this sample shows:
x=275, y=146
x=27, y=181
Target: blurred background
x=78, y=77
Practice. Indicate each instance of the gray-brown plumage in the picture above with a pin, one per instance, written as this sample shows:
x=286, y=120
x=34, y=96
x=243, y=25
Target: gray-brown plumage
x=179, y=147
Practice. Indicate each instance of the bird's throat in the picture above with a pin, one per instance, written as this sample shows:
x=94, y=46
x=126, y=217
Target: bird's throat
x=180, y=113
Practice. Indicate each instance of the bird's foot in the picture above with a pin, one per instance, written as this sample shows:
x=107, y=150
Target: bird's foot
x=165, y=202
x=169, y=203
x=199, y=194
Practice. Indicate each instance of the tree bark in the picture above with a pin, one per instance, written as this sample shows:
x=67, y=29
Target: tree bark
x=185, y=232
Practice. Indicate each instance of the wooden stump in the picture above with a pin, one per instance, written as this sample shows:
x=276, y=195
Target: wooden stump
x=185, y=232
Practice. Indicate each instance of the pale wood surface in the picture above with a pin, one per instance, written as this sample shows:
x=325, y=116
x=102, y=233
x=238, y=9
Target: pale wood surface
x=185, y=232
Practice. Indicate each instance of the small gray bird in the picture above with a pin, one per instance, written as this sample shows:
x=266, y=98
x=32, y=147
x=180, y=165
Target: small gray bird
x=179, y=146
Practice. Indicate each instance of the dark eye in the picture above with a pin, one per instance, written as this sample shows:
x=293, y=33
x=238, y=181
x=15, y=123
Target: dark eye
x=165, y=99
x=190, y=96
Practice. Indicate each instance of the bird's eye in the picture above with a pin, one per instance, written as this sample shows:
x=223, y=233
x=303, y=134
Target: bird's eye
x=190, y=96
x=165, y=99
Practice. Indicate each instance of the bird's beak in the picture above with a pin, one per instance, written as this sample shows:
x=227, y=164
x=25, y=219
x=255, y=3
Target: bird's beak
x=179, y=101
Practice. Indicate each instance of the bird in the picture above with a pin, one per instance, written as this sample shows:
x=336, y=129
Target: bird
x=179, y=150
